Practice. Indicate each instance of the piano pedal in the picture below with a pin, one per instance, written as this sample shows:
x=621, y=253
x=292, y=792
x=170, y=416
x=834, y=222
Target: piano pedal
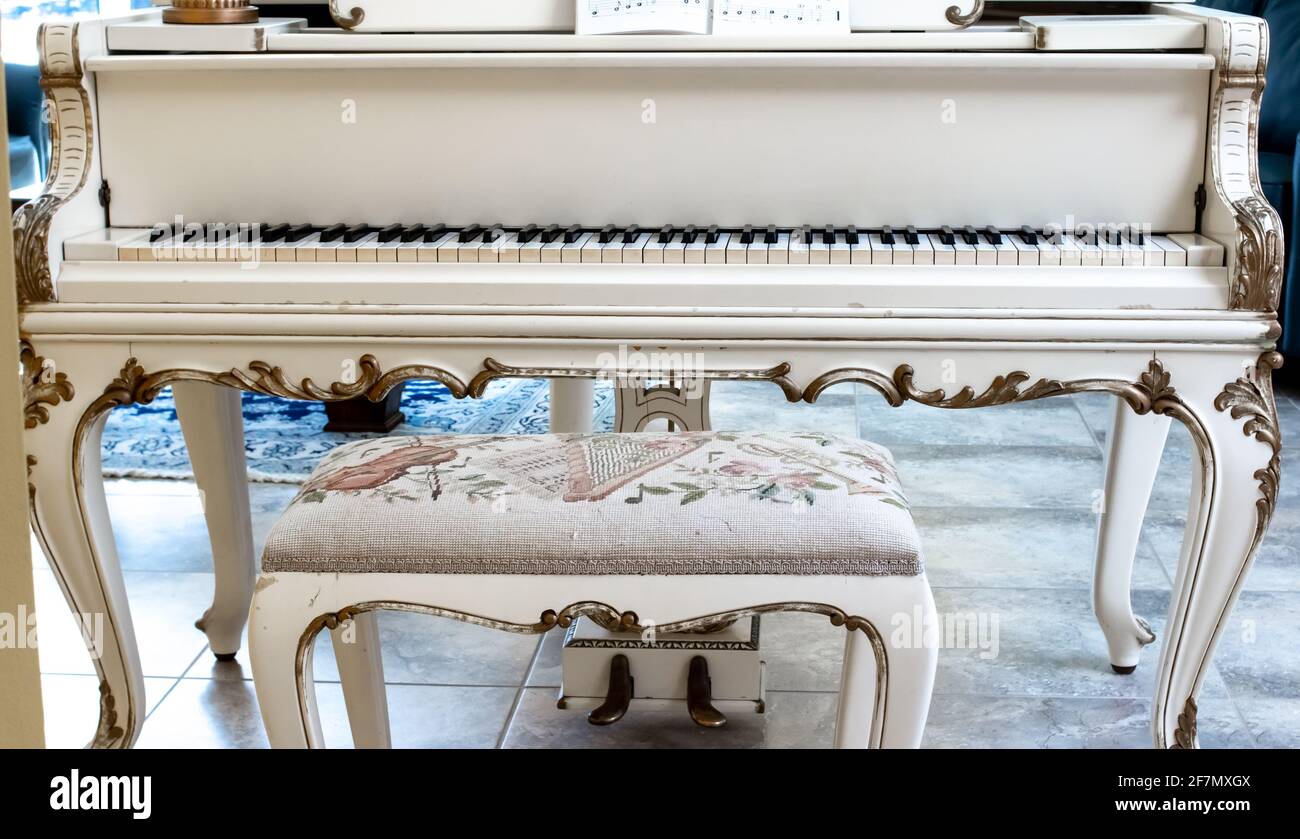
x=619, y=697
x=699, y=695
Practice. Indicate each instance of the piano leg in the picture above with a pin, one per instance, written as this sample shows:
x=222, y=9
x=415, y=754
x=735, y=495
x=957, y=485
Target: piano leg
x=70, y=518
x=213, y=425
x=571, y=405
x=1234, y=491
x=1133, y=456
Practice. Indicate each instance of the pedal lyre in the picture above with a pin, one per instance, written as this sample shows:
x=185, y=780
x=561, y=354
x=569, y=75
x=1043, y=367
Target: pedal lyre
x=619, y=696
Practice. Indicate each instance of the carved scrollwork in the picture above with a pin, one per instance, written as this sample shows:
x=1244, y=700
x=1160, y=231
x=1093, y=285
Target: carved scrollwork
x=957, y=17
x=43, y=388
x=1251, y=398
x=72, y=149
x=109, y=733
x=1185, y=734
x=1257, y=284
x=350, y=20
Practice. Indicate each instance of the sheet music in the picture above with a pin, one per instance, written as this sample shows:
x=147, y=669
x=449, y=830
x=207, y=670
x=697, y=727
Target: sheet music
x=782, y=17
x=610, y=17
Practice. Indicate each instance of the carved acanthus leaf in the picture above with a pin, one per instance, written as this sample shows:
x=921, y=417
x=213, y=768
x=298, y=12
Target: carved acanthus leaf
x=42, y=386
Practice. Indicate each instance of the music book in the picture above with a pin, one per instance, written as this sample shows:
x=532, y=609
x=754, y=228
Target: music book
x=717, y=17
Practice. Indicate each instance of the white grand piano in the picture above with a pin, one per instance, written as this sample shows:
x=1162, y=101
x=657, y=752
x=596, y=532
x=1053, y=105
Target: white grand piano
x=959, y=205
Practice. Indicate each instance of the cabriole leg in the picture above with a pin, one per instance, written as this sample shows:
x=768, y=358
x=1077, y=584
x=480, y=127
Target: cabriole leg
x=361, y=671
x=213, y=423
x=1133, y=457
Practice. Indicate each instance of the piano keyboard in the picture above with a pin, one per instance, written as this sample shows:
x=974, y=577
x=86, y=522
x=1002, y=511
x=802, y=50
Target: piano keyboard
x=612, y=244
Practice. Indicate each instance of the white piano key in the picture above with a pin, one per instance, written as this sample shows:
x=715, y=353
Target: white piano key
x=756, y=253
x=923, y=250
x=103, y=245
x=1048, y=252
x=943, y=254
x=986, y=253
x=1007, y=252
x=1112, y=255
x=531, y=251
x=860, y=254
x=715, y=253
x=1090, y=254
x=553, y=251
x=737, y=250
x=572, y=251
x=697, y=251
x=819, y=251
x=305, y=249
x=634, y=251
x=1071, y=254
x=902, y=251
x=653, y=252
x=799, y=248
x=366, y=249
x=593, y=250
x=1201, y=251
x=841, y=251
x=881, y=254
x=491, y=251
x=387, y=251
x=507, y=247
x=1152, y=253
x=1026, y=254
x=613, y=251
x=675, y=250
x=1174, y=253
x=964, y=254
x=408, y=251
x=779, y=254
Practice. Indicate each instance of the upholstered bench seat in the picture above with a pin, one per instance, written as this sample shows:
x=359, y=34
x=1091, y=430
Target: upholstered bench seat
x=661, y=504
x=675, y=533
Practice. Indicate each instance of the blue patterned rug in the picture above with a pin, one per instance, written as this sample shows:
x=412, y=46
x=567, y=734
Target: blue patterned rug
x=284, y=439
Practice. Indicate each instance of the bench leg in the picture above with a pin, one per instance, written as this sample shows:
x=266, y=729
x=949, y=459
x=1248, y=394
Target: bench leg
x=276, y=625
x=361, y=670
x=912, y=656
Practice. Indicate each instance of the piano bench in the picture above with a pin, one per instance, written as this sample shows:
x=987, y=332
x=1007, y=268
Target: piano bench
x=528, y=533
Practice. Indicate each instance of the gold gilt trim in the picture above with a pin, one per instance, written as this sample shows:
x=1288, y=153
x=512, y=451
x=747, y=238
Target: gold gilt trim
x=961, y=19
x=493, y=370
x=1256, y=284
x=71, y=153
x=40, y=388
x=612, y=619
x=1185, y=734
x=109, y=732
x=1251, y=398
x=1150, y=394
x=351, y=20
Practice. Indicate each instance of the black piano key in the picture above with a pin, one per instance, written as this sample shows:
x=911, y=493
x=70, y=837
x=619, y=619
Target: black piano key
x=470, y=233
x=770, y=237
x=804, y=234
x=492, y=234
x=1139, y=236
x=1029, y=235
x=946, y=236
x=851, y=235
x=356, y=233
x=527, y=233
x=159, y=233
x=665, y=234
x=551, y=233
x=828, y=235
x=607, y=234
x=690, y=234
x=410, y=234
x=391, y=233
x=747, y=235
x=435, y=233
x=887, y=235
x=995, y=235
x=969, y=236
x=299, y=232
x=572, y=234
x=910, y=236
x=630, y=234
x=275, y=232
x=712, y=236
x=332, y=233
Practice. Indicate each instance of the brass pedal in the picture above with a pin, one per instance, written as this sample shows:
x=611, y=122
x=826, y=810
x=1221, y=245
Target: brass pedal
x=699, y=695
x=619, y=696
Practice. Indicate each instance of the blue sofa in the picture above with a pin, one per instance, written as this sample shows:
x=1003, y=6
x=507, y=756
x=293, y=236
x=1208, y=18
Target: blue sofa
x=1279, y=142
x=29, y=145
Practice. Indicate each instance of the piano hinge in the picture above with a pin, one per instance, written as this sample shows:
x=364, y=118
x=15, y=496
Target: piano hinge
x=105, y=198
x=1200, y=205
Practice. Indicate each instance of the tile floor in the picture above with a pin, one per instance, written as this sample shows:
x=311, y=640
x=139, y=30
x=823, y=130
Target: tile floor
x=1003, y=498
